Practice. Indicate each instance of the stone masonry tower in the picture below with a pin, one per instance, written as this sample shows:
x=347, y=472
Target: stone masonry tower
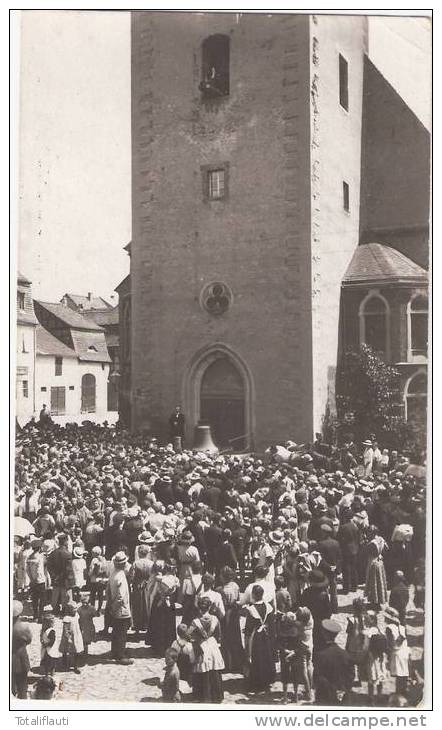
x=246, y=156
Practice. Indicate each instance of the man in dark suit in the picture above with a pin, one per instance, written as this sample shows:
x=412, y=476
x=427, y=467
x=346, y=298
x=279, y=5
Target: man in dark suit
x=60, y=569
x=333, y=668
x=177, y=424
x=331, y=555
x=349, y=539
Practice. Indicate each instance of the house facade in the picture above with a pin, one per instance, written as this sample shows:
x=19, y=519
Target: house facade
x=72, y=365
x=25, y=351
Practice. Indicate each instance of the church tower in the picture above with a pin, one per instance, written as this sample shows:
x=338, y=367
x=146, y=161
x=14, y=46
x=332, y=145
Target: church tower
x=246, y=157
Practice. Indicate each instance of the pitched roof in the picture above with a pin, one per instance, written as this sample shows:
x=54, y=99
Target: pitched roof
x=22, y=279
x=87, y=304
x=102, y=317
x=47, y=344
x=124, y=285
x=375, y=262
x=69, y=317
x=90, y=346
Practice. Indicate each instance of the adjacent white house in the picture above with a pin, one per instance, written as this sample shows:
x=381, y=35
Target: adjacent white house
x=71, y=367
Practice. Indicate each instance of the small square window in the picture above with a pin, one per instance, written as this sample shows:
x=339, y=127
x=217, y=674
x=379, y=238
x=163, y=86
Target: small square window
x=346, y=197
x=58, y=366
x=215, y=181
x=43, y=389
x=25, y=389
x=71, y=387
x=343, y=82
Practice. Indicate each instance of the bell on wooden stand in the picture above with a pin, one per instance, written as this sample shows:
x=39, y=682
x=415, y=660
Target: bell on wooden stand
x=203, y=439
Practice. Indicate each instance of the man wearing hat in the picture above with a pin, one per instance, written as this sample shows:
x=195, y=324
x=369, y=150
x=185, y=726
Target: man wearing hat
x=333, y=668
x=118, y=606
x=59, y=564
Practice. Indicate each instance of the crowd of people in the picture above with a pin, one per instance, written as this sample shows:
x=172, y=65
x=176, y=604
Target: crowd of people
x=220, y=563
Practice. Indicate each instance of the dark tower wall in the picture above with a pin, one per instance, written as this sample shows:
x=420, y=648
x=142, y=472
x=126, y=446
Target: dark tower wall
x=257, y=240
x=395, y=172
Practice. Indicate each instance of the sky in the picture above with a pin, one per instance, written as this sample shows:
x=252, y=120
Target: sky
x=74, y=212
x=74, y=152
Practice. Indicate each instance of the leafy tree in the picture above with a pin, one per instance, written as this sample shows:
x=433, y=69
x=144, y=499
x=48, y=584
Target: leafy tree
x=369, y=400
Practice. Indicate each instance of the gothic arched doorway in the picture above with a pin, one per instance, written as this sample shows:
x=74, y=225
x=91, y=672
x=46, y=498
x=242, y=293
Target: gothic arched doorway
x=222, y=403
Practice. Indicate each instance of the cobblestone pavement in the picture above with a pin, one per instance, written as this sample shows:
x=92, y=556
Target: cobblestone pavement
x=106, y=681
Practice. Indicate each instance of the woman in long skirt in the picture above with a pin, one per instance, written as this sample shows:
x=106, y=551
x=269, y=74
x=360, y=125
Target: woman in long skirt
x=376, y=580
x=140, y=573
x=208, y=662
x=162, y=624
x=259, y=640
x=232, y=648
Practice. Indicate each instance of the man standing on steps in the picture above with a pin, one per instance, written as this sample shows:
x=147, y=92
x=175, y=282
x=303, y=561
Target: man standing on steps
x=118, y=603
x=176, y=424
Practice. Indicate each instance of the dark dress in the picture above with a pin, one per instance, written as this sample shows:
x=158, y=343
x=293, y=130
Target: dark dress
x=259, y=639
x=162, y=624
x=318, y=601
x=232, y=648
x=140, y=574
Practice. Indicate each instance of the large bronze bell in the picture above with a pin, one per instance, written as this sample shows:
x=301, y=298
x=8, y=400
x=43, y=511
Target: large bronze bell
x=203, y=439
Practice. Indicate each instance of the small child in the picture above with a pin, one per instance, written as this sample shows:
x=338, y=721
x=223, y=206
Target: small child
x=49, y=651
x=399, y=653
x=86, y=614
x=79, y=571
x=286, y=641
x=375, y=667
x=399, y=595
x=283, y=599
x=304, y=650
x=170, y=685
x=71, y=644
x=45, y=688
x=98, y=577
x=183, y=646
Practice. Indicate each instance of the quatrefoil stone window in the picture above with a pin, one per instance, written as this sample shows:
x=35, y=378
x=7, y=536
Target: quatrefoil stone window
x=216, y=298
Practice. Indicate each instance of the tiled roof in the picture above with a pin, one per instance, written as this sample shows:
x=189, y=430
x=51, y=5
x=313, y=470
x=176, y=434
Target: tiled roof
x=375, y=262
x=87, y=304
x=69, y=317
x=47, y=344
x=102, y=317
x=90, y=346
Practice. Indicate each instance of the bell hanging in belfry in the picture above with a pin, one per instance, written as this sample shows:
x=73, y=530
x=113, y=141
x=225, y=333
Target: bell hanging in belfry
x=203, y=439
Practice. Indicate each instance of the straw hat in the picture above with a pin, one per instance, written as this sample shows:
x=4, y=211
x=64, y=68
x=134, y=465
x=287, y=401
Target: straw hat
x=120, y=559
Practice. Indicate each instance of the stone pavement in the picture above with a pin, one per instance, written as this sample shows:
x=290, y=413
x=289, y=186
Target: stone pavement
x=100, y=680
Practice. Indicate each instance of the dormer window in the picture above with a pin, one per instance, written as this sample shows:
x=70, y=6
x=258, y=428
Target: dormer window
x=215, y=66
